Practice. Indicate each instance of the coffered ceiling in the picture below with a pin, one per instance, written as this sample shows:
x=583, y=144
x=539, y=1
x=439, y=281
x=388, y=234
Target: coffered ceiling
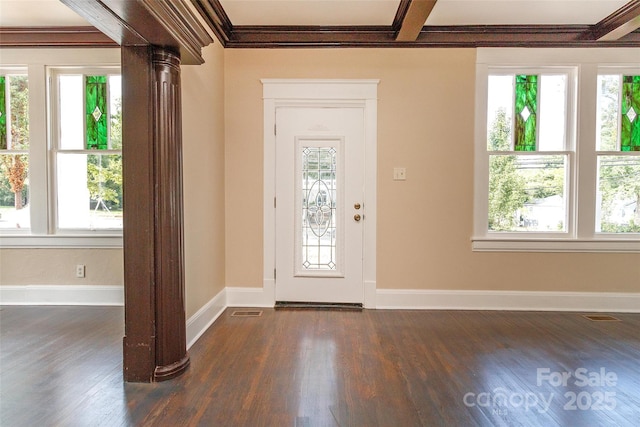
x=357, y=23
x=445, y=12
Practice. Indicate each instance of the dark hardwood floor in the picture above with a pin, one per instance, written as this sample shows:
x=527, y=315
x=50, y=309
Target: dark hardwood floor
x=62, y=366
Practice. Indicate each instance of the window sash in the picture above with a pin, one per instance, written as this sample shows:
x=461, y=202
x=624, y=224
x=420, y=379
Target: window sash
x=481, y=212
x=56, y=142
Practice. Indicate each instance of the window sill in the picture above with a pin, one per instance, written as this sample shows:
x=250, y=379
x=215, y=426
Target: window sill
x=58, y=241
x=556, y=245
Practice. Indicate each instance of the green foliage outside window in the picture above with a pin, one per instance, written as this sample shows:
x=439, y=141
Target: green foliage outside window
x=14, y=136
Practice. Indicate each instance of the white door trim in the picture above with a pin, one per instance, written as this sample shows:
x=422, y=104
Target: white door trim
x=296, y=92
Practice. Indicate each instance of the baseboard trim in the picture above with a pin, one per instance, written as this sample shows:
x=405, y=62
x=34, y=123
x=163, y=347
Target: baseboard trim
x=252, y=297
x=61, y=295
x=370, y=294
x=204, y=318
x=409, y=299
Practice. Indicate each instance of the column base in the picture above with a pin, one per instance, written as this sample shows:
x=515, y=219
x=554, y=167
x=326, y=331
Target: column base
x=164, y=373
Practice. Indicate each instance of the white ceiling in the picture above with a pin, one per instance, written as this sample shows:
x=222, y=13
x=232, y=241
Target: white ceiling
x=38, y=13
x=348, y=12
x=522, y=12
x=311, y=12
x=445, y=12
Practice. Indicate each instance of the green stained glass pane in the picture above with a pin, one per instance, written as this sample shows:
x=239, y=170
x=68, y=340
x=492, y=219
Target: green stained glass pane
x=3, y=115
x=96, y=112
x=526, y=112
x=630, y=119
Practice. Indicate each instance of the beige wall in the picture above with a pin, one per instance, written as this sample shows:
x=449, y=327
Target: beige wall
x=19, y=267
x=203, y=150
x=425, y=123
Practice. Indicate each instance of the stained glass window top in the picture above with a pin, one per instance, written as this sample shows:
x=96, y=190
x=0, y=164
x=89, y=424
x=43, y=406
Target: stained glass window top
x=630, y=110
x=3, y=114
x=96, y=109
x=526, y=112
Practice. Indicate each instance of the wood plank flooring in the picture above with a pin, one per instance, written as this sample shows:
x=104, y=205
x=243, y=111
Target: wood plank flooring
x=62, y=366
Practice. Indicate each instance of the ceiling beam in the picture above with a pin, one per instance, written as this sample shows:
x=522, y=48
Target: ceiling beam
x=620, y=23
x=403, y=7
x=414, y=19
x=170, y=24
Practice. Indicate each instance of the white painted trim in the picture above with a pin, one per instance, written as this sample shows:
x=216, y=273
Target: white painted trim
x=369, y=294
x=60, y=57
x=61, y=295
x=204, y=318
x=252, y=297
x=506, y=245
x=57, y=241
x=320, y=89
x=415, y=299
x=553, y=56
x=297, y=92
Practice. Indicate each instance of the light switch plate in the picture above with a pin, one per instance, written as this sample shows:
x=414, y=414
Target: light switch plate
x=399, y=174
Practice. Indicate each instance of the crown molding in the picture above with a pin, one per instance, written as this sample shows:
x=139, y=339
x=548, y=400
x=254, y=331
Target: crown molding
x=215, y=16
x=467, y=36
x=28, y=37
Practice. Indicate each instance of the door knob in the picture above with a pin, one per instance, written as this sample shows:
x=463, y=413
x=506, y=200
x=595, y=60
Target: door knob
x=357, y=217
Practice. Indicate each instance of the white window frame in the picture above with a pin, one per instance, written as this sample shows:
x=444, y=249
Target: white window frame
x=53, y=74
x=42, y=233
x=581, y=185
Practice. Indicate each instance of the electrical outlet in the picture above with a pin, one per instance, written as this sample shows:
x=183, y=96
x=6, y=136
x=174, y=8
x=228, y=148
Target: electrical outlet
x=80, y=270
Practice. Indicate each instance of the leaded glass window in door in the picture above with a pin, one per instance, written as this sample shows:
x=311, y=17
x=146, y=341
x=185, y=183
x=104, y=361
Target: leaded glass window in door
x=318, y=206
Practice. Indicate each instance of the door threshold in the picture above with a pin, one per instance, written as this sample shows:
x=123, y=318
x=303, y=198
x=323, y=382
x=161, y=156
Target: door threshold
x=298, y=305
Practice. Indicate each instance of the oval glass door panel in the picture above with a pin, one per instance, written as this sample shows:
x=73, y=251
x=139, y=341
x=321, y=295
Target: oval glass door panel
x=319, y=236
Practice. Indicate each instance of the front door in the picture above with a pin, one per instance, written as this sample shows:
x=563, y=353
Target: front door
x=319, y=204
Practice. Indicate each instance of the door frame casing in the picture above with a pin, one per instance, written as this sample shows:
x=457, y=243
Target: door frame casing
x=279, y=93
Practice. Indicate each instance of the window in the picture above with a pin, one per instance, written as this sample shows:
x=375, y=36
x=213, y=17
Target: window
x=87, y=139
x=528, y=152
x=14, y=150
x=618, y=152
x=557, y=158
x=60, y=148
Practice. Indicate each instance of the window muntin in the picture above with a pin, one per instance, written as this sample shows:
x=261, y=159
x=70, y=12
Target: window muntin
x=618, y=153
x=14, y=150
x=527, y=117
x=86, y=149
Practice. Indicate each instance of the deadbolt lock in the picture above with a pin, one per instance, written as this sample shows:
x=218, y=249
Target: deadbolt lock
x=356, y=206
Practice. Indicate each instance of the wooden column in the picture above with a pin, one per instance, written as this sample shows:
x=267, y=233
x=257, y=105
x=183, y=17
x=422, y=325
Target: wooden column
x=171, y=336
x=155, y=324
